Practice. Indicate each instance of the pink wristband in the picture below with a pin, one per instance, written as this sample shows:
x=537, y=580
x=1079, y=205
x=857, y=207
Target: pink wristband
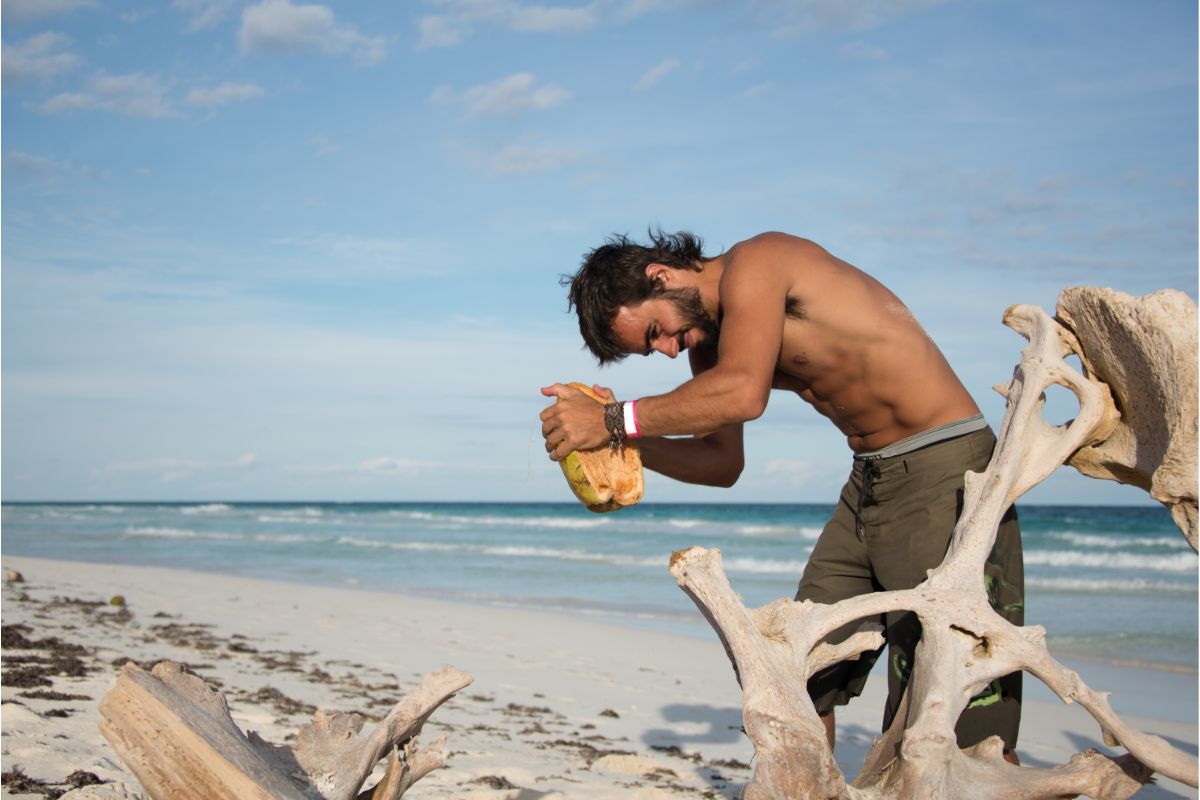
x=632, y=430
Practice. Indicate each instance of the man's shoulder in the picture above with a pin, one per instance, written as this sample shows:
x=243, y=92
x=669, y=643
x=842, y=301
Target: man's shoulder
x=774, y=243
x=772, y=251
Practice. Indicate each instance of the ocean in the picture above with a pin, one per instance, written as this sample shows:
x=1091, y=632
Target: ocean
x=1109, y=583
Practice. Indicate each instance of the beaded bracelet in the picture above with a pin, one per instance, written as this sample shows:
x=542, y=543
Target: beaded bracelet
x=614, y=420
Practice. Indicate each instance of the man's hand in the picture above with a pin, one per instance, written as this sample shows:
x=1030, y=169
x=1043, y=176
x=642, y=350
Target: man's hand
x=575, y=422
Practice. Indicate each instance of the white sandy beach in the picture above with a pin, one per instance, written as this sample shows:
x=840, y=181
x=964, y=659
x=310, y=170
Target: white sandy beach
x=562, y=706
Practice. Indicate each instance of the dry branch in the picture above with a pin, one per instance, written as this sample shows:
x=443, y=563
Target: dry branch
x=176, y=734
x=965, y=644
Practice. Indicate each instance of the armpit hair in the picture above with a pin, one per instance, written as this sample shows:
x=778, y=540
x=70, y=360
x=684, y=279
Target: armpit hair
x=794, y=308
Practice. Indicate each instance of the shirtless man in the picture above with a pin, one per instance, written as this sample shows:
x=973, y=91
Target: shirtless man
x=779, y=312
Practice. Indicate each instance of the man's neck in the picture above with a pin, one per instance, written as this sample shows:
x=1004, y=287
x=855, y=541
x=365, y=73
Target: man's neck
x=709, y=283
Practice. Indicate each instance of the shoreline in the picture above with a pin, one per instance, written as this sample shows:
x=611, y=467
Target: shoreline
x=682, y=624
x=563, y=705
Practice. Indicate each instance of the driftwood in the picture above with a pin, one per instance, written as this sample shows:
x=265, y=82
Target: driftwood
x=176, y=735
x=1144, y=349
x=965, y=644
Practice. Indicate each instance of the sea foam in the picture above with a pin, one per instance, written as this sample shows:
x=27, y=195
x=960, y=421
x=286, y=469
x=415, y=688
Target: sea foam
x=180, y=533
x=1182, y=562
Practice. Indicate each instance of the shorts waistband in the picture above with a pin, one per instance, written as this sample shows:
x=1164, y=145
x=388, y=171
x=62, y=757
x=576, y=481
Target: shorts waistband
x=942, y=433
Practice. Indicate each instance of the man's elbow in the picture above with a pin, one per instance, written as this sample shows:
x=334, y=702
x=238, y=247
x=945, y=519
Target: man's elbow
x=750, y=405
x=731, y=470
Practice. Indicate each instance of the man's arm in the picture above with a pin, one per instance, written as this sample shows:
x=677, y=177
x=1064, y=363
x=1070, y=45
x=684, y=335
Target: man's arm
x=754, y=292
x=714, y=459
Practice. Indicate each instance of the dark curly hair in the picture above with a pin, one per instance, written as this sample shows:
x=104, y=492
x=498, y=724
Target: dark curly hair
x=614, y=275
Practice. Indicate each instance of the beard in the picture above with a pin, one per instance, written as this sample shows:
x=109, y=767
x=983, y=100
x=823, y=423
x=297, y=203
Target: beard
x=691, y=309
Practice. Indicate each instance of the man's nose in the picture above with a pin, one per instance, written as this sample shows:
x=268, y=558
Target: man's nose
x=667, y=345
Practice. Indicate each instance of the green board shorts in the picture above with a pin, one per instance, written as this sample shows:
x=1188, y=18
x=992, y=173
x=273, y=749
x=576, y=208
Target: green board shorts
x=892, y=524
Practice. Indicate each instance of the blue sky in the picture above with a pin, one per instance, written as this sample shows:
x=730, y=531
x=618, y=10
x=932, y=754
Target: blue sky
x=272, y=250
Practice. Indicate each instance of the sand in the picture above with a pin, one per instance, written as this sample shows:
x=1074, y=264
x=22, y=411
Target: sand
x=563, y=706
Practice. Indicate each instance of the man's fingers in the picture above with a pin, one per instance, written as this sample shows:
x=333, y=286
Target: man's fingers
x=604, y=392
x=556, y=390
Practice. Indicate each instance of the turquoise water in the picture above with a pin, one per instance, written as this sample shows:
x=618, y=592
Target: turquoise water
x=1116, y=583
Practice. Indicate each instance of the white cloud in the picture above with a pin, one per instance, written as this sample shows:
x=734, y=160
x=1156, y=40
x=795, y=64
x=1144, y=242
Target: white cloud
x=806, y=16
x=544, y=19
x=136, y=16
x=28, y=165
x=134, y=95
x=277, y=26
x=324, y=146
x=203, y=14
x=22, y=10
x=454, y=21
x=656, y=74
x=522, y=160
x=380, y=465
x=861, y=51
x=353, y=254
x=459, y=18
x=759, y=89
x=795, y=472
x=505, y=96
x=223, y=95
x=40, y=57
x=44, y=170
x=170, y=469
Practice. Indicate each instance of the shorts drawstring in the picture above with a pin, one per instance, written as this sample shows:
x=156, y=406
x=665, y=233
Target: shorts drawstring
x=870, y=473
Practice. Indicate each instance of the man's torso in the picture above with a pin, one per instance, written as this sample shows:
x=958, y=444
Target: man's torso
x=851, y=348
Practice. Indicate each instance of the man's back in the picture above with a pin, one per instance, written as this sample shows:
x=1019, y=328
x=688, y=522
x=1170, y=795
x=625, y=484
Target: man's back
x=850, y=347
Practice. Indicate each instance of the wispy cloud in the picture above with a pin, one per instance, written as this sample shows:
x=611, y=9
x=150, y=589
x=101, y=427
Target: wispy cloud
x=27, y=165
x=458, y=19
x=135, y=16
x=324, y=146
x=172, y=469
x=861, y=51
x=378, y=466
x=278, y=26
x=38, y=58
x=656, y=74
x=223, y=95
x=134, y=95
x=203, y=14
x=759, y=89
x=506, y=96
x=23, y=10
x=350, y=253
x=44, y=170
x=807, y=16
x=524, y=159
x=796, y=473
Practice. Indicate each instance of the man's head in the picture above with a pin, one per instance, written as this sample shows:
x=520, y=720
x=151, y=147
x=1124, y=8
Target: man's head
x=627, y=286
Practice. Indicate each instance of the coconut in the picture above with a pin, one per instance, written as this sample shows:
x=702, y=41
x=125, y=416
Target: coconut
x=605, y=478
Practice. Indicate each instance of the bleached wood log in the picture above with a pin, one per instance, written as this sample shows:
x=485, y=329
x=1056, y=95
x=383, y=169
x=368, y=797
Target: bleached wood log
x=965, y=644
x=1144, y=349
x=176, y=735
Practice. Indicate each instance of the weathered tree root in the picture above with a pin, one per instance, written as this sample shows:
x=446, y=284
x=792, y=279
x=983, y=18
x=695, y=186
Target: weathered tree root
x=176, y=734
x=964, y=644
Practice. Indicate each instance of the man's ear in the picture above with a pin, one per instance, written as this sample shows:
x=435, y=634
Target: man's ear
x=661, y=274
